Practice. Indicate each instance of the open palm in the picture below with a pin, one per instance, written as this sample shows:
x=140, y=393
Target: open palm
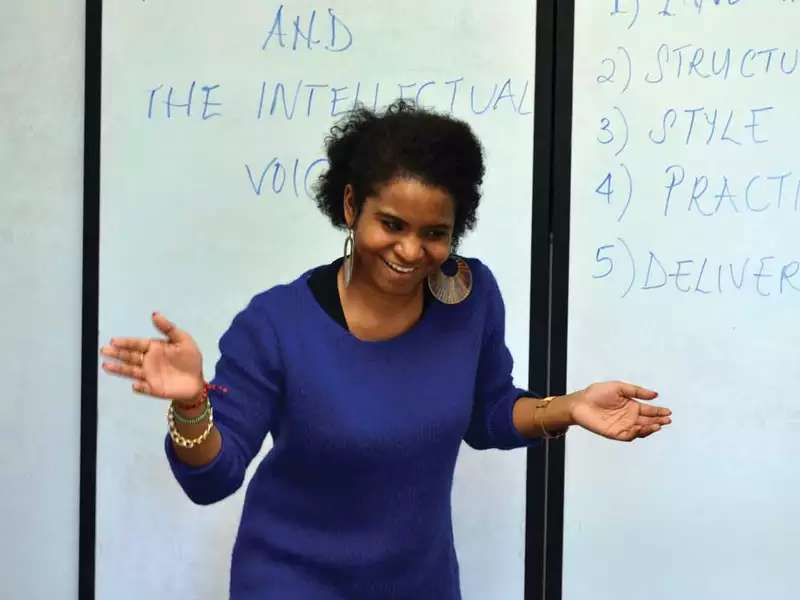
x=165, y=368
x=611, y=409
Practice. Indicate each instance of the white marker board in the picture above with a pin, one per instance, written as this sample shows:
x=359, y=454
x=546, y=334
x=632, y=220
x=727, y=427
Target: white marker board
x=684, y=276
x=213, y=118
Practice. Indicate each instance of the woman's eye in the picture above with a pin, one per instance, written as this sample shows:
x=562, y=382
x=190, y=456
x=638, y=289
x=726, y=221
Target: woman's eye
x=391, y=225
x=436, y=235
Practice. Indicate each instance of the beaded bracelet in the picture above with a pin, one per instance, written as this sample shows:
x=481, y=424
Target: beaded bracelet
x=188, y=442
x=546, y=434
x=183, y=420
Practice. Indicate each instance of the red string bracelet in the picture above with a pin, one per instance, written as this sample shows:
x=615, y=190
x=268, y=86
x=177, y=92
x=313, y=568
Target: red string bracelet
x=212, y=386
x=204, y=395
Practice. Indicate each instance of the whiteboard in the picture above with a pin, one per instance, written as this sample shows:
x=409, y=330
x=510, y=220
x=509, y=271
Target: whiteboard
x=684, y=277
x=213, y=119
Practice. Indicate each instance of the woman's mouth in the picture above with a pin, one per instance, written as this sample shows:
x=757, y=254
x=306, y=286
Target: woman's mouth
x=400, y=269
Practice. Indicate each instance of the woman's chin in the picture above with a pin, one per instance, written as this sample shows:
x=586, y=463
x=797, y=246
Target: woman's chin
x=391, y=282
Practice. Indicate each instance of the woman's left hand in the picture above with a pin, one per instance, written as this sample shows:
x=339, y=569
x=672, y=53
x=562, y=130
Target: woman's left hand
x=611, y=409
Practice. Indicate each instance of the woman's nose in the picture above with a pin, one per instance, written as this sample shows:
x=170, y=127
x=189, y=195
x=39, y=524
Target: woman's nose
x=409, y=250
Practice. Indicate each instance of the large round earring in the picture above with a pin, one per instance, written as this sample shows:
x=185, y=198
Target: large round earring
x=452, y=283
x=349, y=251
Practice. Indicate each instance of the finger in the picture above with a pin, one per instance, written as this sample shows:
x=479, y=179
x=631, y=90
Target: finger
x=636, y=391
x=647, y=421
x=649, y=430
x=129, y=343
x=123, y=370
x=648, y=410
x=640, y=430
x=132, y=357
x=167, y=327
x=108, y=351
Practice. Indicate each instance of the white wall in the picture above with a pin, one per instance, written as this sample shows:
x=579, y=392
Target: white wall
x=41, y=168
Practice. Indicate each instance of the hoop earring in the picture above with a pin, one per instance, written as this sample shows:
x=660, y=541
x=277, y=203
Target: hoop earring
x=453, y=285
x=349, y=251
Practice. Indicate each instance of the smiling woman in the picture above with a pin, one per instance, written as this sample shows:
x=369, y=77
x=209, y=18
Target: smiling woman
x=368, y=372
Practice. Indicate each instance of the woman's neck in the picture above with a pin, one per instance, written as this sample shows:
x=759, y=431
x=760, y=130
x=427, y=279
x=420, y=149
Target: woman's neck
x=372, y=314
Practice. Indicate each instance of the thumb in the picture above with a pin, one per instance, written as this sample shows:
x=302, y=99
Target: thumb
x=168, y=328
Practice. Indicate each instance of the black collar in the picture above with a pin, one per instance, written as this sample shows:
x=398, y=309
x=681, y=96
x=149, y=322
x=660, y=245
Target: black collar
x=323, y=284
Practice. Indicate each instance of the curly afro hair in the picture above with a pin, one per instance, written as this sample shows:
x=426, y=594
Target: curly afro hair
x=368, y=149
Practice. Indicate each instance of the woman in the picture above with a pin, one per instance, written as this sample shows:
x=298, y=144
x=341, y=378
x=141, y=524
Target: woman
x=368, y=373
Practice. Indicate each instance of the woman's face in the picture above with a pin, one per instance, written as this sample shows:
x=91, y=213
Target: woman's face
x=402, y=234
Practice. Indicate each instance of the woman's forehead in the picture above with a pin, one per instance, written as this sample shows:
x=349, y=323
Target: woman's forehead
x=414, y=201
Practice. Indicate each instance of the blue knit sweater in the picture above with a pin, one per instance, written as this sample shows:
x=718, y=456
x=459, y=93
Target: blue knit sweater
x=353, y=500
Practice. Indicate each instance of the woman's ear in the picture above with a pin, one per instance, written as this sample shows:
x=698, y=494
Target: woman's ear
x=349, y=206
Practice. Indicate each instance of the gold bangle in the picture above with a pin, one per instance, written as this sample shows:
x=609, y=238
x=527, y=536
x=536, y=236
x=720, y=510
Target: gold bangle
x=188, y=442
x=546, y=434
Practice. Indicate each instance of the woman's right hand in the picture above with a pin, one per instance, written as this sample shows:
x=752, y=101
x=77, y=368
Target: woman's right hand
x=165, y=368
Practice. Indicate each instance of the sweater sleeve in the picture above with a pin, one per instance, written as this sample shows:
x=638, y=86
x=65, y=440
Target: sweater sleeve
x=250, y=368
x=491, y=424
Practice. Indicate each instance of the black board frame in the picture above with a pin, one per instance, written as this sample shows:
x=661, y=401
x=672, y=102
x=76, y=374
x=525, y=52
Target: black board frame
x=549, y=289
x=87, y=503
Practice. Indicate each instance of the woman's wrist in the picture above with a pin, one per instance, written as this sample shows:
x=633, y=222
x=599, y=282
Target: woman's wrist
x=571, y=401
x=194, y=404
x=544, y=417
x=558, y=413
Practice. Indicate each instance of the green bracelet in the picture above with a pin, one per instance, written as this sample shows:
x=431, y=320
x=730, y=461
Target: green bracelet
x=179, y=418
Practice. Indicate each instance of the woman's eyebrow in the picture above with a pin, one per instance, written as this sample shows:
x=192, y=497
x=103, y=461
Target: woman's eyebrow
x=385, y=214
x=382, y=213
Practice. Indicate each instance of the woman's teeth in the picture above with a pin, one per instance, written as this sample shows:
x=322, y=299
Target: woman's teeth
x=398, y=268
